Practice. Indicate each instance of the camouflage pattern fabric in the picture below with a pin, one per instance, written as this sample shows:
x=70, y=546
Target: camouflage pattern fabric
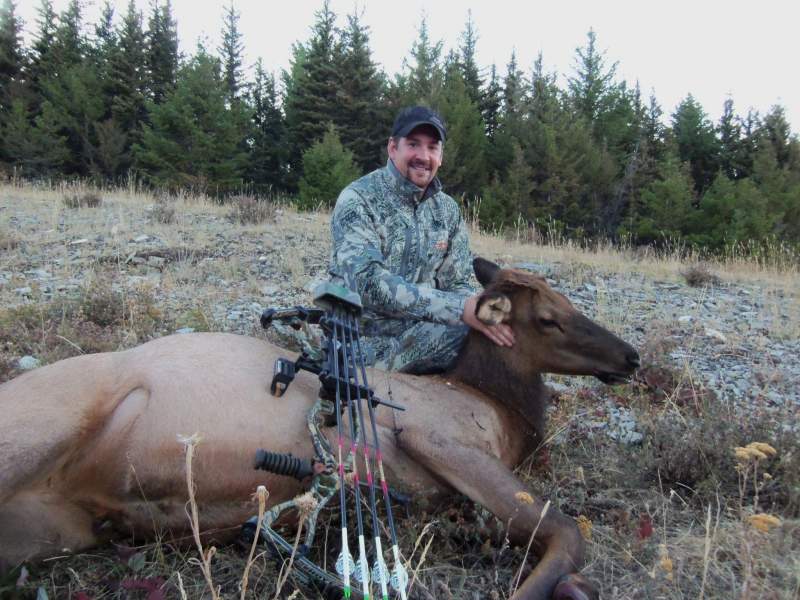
x=405, y=251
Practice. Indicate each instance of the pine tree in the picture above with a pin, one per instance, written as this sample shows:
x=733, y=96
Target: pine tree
x=667, y=205
x=34, y=147
x=327, y=168
x=492, y=103
x=696, y=142
x=468, y=62
x=506, y=200
x=194, y=140
x=267, y=157
x=104, y=34
x=127, y=91
x=72, y=106
x=362, y=122
x=69, y=44
x=776, y=132
x=514, y=89
x=733, y=212
x=464, y=151
x=424, y=72
x=231, y=51
x=311, y=89
x=162, y=51
x=729, y=132
x=42, y=63
x=11, y=59
x=590, y=86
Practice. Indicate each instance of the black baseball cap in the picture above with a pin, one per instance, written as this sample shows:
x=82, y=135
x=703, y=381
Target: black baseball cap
x=410, y=118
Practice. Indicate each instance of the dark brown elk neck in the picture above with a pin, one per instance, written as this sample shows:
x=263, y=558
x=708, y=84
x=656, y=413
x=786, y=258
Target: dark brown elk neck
x=485, y=367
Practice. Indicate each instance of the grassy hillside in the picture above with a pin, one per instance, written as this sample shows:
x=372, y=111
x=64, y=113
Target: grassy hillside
x=670, y=512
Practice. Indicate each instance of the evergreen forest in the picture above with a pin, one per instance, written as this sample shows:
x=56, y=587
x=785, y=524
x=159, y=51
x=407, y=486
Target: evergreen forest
x=116, y=101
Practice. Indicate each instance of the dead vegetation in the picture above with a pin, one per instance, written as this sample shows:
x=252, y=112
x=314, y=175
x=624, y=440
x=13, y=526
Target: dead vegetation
x=88, y=199
x=249, y=210
x=700, y=275
x=682, y=515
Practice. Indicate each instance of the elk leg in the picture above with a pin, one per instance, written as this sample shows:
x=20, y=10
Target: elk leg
x=483, y=478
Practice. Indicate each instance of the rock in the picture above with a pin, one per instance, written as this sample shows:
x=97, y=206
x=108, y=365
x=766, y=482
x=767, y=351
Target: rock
x=185, y=330
x=23, y=291
x=270, y=289
x=79, y=242
x=141, y=238
x=27, y=363
x=685, y=319
x=156, y=262
x=715, y=334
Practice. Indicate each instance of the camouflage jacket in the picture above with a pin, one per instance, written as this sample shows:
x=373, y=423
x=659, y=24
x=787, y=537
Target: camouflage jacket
x=404, y=250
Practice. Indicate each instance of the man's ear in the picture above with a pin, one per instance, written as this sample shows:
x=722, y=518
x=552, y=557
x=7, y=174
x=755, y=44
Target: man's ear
x=492, y=308
x=485, y=270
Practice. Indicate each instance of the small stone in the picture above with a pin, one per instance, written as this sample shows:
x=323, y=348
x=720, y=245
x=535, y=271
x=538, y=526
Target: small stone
x=717, y=335
x=156, y=261
x=685, y=319
x=141, y=238
x=23, y=291
x=270, y=289
x=79, y=242
x=27, y=363
x=185, y=330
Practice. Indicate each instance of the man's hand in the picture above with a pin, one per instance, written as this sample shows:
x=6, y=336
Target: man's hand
x=501, y=334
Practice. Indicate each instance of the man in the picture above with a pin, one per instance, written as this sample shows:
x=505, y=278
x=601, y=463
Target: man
x=401, y=243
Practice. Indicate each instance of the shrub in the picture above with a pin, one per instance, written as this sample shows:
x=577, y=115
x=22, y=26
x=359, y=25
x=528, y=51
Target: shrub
x=163, y=210
x=699, y=275
x=8, y=241
x=249, y=210
x=84, y=200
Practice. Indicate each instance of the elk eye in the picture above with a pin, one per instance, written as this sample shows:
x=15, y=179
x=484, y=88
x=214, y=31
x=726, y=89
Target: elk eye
x=548, y=323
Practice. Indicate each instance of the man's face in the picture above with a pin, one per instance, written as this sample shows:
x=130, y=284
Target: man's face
x=418, y=155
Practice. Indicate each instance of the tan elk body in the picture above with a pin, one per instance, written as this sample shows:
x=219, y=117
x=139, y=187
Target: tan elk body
x=90, y=448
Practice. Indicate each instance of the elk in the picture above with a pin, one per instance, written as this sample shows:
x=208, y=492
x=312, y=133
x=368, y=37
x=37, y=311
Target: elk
x=89, y=446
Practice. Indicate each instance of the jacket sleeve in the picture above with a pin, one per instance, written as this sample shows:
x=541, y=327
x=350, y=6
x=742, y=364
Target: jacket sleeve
x=455, y=271
x=358, y=260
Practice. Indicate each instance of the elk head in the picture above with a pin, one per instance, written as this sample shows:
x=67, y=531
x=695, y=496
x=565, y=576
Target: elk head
x=552, y=336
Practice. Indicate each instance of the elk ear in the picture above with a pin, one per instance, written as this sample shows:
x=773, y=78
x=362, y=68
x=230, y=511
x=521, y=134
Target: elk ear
x=493, y=308
x=485, y=270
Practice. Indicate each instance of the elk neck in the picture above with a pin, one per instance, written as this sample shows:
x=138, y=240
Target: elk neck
x=485, y=367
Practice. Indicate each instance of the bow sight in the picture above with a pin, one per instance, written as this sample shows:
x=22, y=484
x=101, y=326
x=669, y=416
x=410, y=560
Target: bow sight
x=343, y=377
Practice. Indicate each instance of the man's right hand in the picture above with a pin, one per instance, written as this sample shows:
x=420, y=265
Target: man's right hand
x=500, y=334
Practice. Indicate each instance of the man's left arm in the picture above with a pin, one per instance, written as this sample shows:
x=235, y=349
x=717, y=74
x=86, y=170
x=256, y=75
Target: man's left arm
x=456, y=269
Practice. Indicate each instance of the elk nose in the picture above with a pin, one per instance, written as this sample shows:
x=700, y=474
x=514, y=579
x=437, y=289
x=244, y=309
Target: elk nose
x=633, y=359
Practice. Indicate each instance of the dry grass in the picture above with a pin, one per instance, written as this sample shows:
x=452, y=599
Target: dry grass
x=670, y=518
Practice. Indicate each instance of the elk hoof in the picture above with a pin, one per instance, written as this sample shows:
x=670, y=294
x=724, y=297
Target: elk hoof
x=575, y=587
